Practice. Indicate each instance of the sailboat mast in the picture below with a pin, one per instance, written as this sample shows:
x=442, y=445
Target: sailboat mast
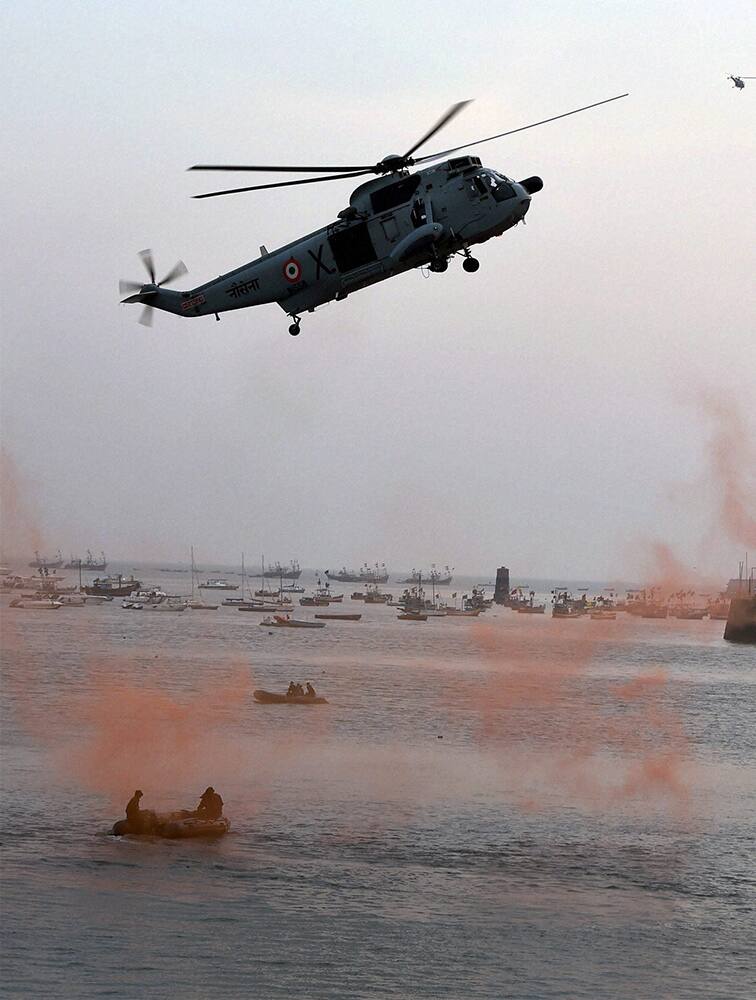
x=191, y=549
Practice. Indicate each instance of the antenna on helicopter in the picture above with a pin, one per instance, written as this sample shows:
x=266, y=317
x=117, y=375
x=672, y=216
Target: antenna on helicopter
x=390, y=164
x=145, y=290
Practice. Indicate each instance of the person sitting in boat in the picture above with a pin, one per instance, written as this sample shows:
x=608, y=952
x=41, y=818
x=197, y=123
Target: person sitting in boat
x=292, y=690
x=310, y=690
x=210, y=805
x=133, y=812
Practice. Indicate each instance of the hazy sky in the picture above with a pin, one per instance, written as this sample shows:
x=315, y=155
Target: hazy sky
x=537, y=413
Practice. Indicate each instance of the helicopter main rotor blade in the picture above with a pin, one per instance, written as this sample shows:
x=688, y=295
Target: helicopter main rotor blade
x=147, y=316
x=149, y=264
x=522, y=128
x=282, y=170
x=452, y=112
x=130, y=286
x=304, y=180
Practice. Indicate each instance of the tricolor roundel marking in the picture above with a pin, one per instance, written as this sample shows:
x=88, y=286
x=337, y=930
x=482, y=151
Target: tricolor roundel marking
x=292, y=270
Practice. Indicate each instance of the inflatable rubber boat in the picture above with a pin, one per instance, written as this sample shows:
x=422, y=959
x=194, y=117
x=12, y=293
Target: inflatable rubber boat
x=173, y=826
x=270, y=698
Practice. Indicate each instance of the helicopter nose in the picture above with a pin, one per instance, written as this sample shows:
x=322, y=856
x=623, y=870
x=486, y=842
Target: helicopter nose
x=532, y=184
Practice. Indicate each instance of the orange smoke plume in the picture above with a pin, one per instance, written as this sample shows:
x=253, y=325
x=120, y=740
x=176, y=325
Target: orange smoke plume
x=119, y=736
x=566, y=734
x=732, y=458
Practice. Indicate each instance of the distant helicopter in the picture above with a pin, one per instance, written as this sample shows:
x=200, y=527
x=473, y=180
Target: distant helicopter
x=738, y=81
x=394, y=222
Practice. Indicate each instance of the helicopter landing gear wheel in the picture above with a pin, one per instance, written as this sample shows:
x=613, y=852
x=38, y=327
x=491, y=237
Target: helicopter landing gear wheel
x=294, y=328
x=439, y=266
x=470, y=264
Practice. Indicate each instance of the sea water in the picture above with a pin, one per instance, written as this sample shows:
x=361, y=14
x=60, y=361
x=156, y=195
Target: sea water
x=510, y=806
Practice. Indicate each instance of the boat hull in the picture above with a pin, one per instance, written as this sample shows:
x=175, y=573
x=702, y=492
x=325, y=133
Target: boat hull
x=173, y=826
x=271, y=698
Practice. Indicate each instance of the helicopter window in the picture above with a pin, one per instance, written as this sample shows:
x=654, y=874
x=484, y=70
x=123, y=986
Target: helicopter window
x=352, y=247
x=500, y=188
x=480, y=184
x=395, y=194
x=418, y=215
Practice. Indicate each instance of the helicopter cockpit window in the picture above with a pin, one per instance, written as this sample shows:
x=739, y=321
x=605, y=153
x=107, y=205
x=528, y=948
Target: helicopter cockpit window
x=480, y=185
x=500, y=188
x=386, y=198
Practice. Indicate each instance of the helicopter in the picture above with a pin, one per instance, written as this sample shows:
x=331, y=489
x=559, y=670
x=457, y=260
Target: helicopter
x=738, y=81
x=398, y=220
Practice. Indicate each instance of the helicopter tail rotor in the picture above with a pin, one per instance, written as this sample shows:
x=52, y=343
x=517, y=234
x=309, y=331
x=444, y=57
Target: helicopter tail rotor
x=143, y=291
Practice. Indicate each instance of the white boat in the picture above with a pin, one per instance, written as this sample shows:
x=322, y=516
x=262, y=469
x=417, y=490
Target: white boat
x=171, y=603
x=71, y=600
x=218, y=583
x=151, y=597
x=35, y=604
x=96, y=599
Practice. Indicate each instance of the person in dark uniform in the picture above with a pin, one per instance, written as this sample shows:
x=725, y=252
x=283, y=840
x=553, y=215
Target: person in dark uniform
x=210, y=805
x=133, y=812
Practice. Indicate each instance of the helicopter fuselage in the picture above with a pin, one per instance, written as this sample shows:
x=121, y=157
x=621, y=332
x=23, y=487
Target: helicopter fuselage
x=393, y=223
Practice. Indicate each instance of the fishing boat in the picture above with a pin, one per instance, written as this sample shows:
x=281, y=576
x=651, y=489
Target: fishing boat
x=564, y=606
x=477, y=599
x=374, y=595
x=719, y=609
x=438, y=577
x=366, y=574
x=321, y=597
x=283, y=621
x=113, y=586
x=196, y=603
x=333, y=617
x=412, y=616
x=292, y=588
x=88, y=565
x=277, y=571
x=527, y=606
x=655, y=611
x=271, y=698
x=42, y=562
x=603, y=615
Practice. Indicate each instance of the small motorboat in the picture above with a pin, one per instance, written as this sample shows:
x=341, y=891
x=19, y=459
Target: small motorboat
x=179, y=825
x=531, y=609
x=413, y=616
x=283, y=621
x=35, y=604
x=340, y=618
x=132, y=606
x=271, y=698
x=171, y=604
x=462, y=612
x=201, y=606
